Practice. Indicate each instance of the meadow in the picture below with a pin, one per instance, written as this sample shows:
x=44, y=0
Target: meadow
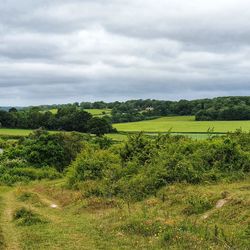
x=178, y=125
x=182, y=124
x=180, y=221
x=99, y=112
x=94, y=112
x=14, y=132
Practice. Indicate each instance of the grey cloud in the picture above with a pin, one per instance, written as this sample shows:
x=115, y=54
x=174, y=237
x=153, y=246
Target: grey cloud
x=54, y=51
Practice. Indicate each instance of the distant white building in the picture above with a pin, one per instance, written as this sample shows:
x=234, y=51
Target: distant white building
x=149, y=109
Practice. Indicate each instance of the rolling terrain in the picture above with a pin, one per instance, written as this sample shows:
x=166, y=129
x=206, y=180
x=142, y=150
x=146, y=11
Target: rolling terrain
x=60, y=219
x=177, y=124
x=182, y=124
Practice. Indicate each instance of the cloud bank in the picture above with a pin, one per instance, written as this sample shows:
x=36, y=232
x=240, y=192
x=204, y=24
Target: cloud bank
x=59, y=51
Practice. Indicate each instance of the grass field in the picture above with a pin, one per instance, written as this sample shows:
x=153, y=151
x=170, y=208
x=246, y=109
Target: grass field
x=53, y=111
x=94, y=112
x=185, y=125
x=26, y=132
x=182, y=124
x=14, y=132
x=99, y=112
x=104, y=223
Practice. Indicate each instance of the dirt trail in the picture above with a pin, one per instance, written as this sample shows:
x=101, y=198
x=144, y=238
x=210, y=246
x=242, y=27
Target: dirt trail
x=220, y=203
x=10, y=233
x=65, y=228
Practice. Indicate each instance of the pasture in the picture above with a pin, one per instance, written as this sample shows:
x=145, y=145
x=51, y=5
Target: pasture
x=94, y=112
x=98, y=112
x=14, y=132
x=178, y=125
x=182, y=124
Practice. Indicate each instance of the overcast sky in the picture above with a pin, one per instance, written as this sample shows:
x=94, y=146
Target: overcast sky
x=60, y=51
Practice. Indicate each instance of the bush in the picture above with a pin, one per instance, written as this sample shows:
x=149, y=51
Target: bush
x=90, y=165
x=197, y=205
x=141, y=166
x=26, y=217
x=43, y=149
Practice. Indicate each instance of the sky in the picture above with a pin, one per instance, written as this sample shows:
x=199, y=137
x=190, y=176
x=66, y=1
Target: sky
x=61, y=51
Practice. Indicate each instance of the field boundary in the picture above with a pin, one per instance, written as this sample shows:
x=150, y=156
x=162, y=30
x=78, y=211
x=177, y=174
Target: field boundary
x=165, y=133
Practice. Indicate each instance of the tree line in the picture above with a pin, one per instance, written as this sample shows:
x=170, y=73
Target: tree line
x=68, y=118
x=220, y=108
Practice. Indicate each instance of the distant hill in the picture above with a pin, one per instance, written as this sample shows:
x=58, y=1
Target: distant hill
x=6, y=108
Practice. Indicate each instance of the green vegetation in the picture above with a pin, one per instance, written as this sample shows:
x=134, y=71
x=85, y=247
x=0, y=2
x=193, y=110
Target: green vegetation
x=220, y=108
x=147, y=193
x=38, y=156
x=99, y=112
x=26, y=217
x=158, y=222
x=53, y=111
x=94, y=112
x=182, y=124
x=14, y=132
x=142, y=166
x=67, y=118
x=162, y=189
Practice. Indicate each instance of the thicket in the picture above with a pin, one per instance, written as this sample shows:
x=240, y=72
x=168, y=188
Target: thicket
x=43, y=155
x=38, y=156
x=141, y=166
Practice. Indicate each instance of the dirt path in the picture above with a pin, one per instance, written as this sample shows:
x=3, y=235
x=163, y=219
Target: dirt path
x=10, y=233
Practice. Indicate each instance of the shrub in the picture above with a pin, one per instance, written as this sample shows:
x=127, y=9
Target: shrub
x=44, y=149
x=141, y=166
x=197, y=205
x=90, y=165
x=26, y=217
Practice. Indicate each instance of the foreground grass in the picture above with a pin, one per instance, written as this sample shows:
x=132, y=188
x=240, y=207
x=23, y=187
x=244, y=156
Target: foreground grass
x=182, y=124
x=180, y=216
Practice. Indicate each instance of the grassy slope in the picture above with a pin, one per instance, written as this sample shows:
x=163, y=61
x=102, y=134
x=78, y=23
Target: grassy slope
x=182, y=124
x=94, y=112
x=15, y=132
x=98, y=112
x=101, y=224
x=18, y=132
x=176, y=124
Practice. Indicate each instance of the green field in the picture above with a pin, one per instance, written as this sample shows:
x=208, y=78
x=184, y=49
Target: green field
x=178, y=125
x=182, y=124
x=15, y=132
x=94, y=112
x=99, y=112
x=53, y=111
x=26, y=132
